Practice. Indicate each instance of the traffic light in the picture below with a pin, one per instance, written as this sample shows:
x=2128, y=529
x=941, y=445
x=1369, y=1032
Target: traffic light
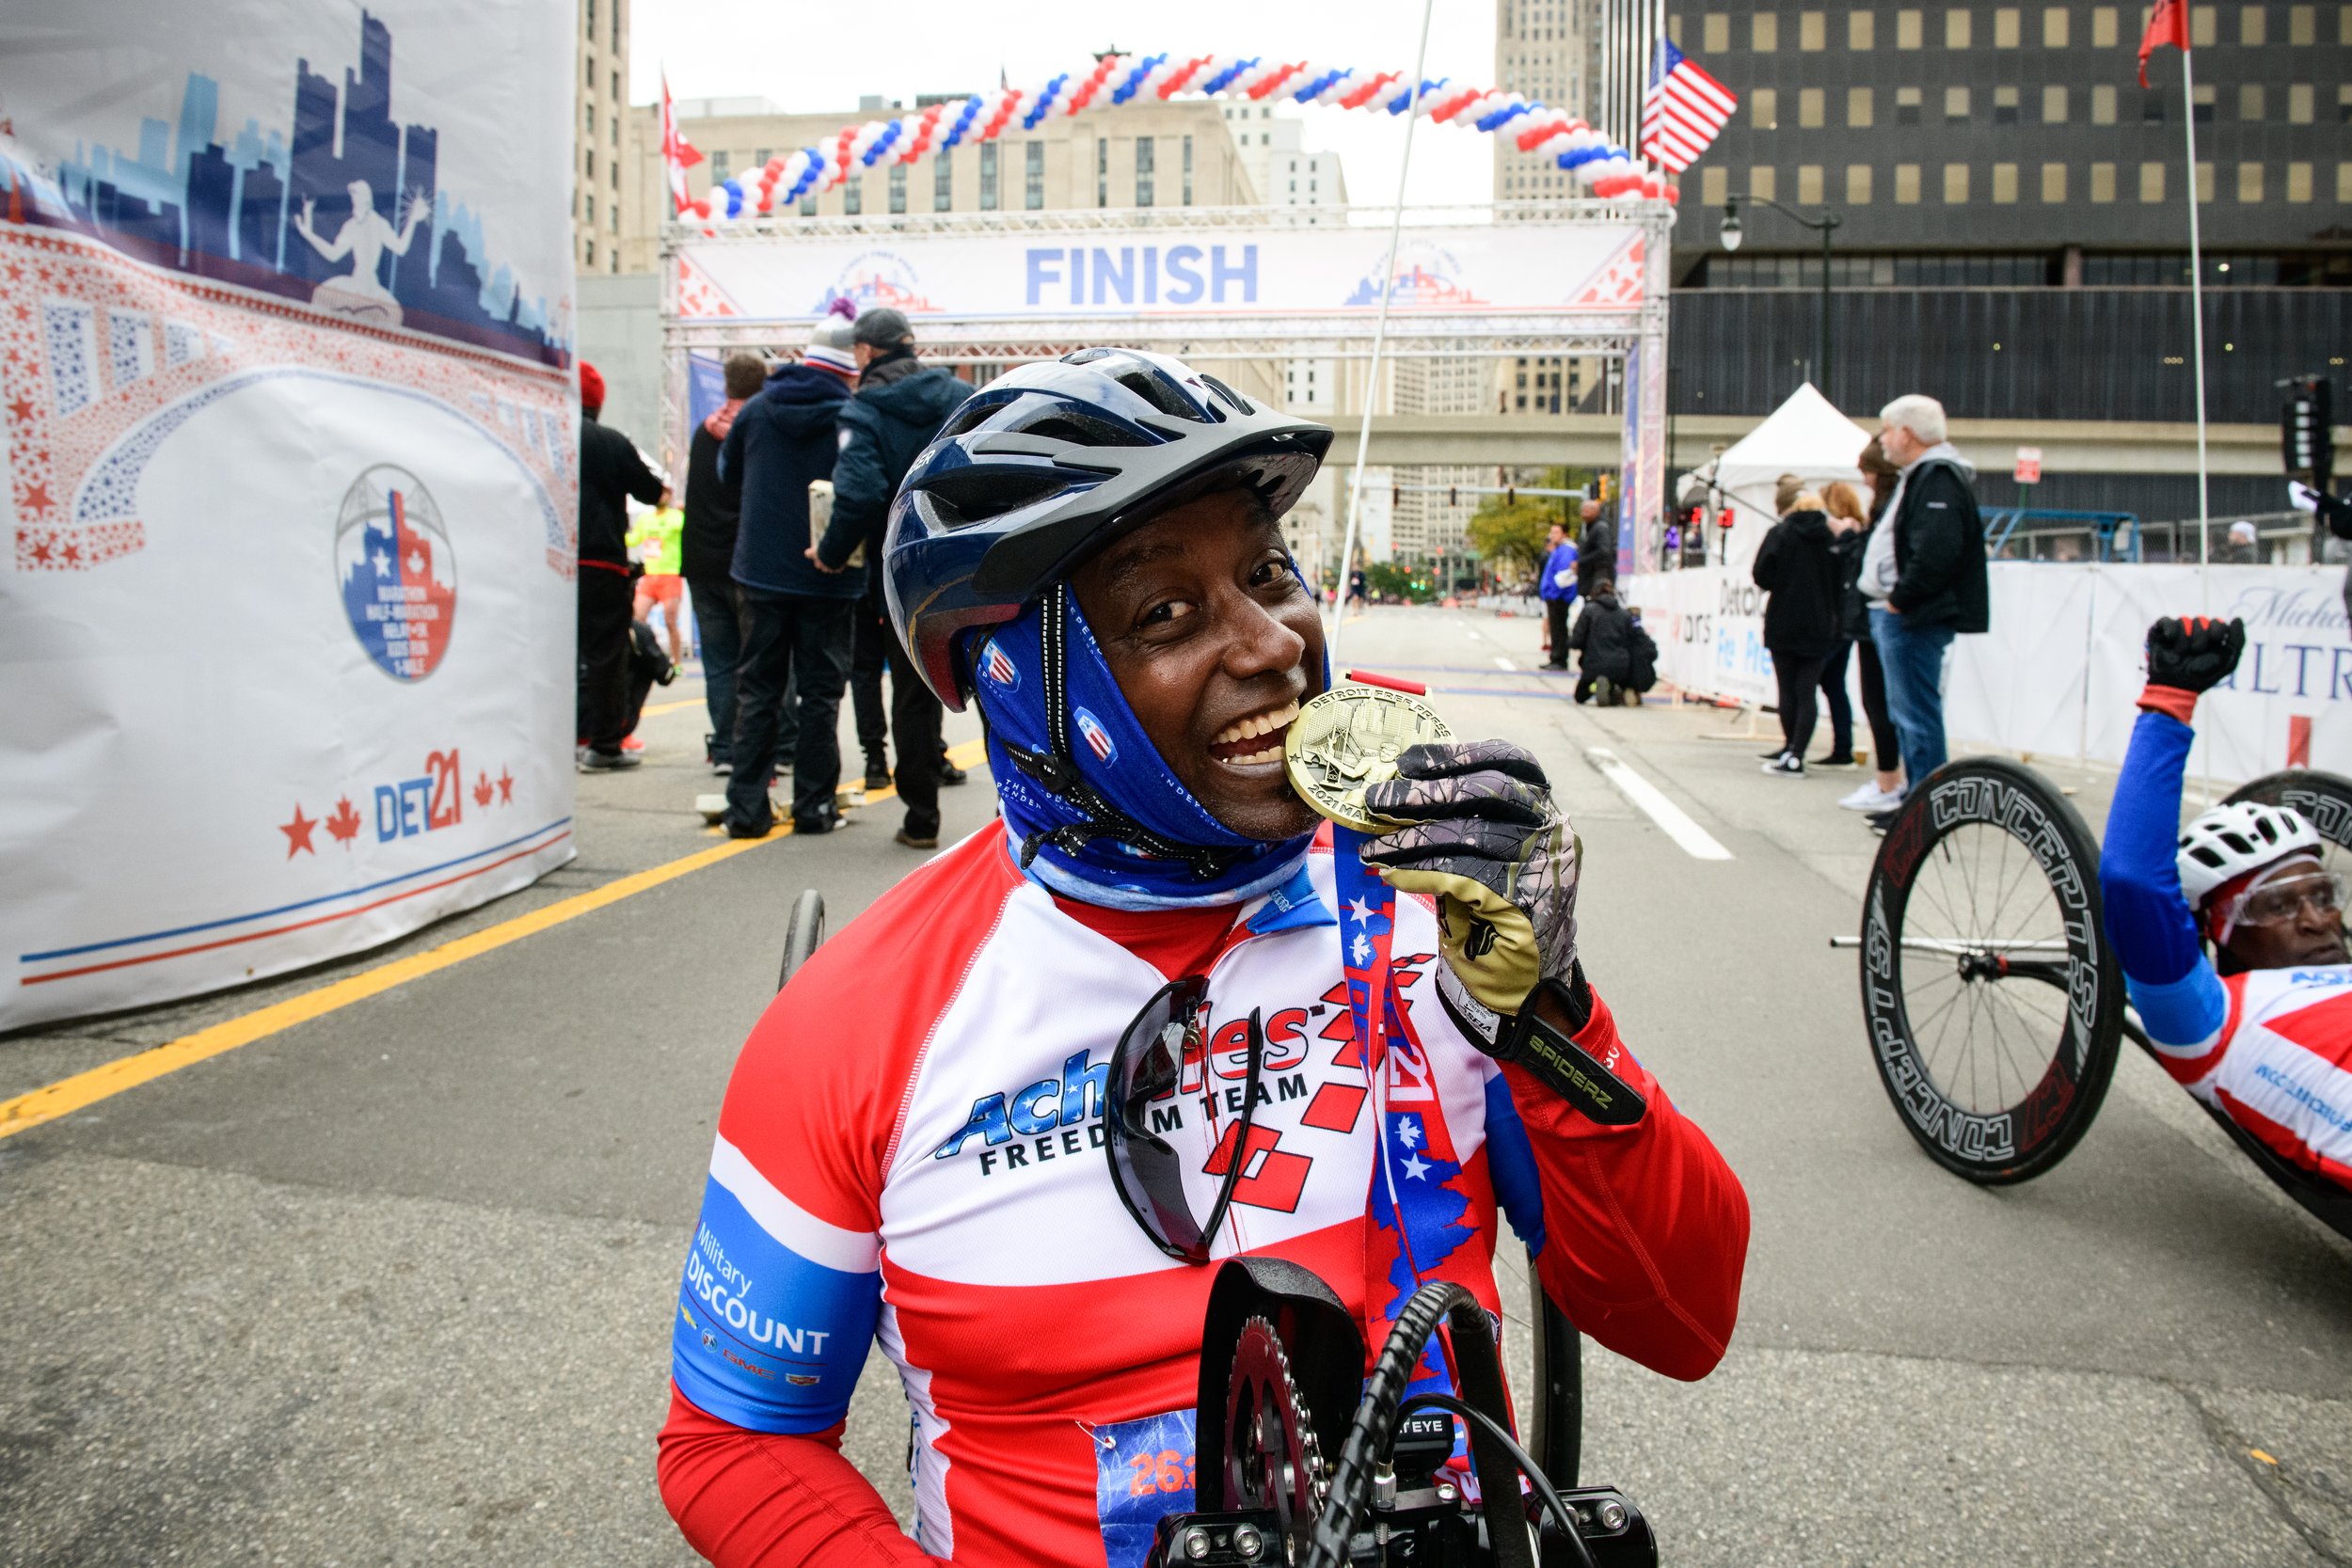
x=2305, y=429
x=1605, y=487
x=1511, y=496
x=1452, y=495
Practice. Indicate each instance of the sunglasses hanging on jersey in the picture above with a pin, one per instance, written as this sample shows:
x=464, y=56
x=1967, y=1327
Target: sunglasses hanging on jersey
x=1149, y=1067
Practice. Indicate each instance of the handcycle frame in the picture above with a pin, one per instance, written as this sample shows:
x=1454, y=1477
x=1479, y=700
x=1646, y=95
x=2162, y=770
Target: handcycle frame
x=2029, y=1135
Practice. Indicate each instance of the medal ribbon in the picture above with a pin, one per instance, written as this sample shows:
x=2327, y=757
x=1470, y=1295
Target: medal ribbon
x=1367, y=932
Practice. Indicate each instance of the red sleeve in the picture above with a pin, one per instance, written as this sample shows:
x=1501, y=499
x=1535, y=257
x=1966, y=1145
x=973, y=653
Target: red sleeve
x=751, y=1500
x=1645, y=1227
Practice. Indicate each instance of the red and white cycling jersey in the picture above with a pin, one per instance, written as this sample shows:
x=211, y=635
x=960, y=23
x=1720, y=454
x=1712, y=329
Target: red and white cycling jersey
x=911, y=1152
x=2280, y=1063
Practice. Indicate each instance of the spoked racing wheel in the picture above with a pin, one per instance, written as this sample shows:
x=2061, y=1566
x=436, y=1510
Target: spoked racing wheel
x=2325, y=801
x=1994, y=1001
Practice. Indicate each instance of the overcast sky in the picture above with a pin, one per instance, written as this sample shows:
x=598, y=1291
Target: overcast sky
x=808, y=58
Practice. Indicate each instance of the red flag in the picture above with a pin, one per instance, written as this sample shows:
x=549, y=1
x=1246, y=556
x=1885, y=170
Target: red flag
x=2167, y=24
x=677, y=153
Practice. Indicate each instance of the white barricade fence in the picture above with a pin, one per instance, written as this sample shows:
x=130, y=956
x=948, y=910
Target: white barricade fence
x=292, y=433
x=2056, y=674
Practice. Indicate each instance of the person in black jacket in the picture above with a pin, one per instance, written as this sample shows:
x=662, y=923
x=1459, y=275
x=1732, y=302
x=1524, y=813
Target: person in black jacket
x=1850, y=535
x=610, y=471
x=796, y=618
x=714, y=510
x=1796, y=566
x=1603, y=640
x=1923, y=575
x=899, y=406
x=1595, y=548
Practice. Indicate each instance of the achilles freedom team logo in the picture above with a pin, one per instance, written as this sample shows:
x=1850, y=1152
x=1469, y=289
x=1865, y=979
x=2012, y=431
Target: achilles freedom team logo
x=399, y=576
x=1098, y=738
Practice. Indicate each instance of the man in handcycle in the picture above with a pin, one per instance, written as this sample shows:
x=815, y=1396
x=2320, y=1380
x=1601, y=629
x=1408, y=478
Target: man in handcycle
x=2261, y=1030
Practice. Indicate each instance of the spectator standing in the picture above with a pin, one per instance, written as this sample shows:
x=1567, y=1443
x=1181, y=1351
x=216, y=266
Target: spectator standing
x=1595, y=548
x=899, y=406
x=1924, y=575
x=1848, y=531
x=1604, y=640
x=1556, y=584
x=610, y=471
x=1885, y=791
x=714, y=510
x=663, y=584
x=1797, y=567
x=796, y=625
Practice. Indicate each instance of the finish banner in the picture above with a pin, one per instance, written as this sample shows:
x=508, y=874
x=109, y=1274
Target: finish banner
x=287, y=623
x=1169, y=269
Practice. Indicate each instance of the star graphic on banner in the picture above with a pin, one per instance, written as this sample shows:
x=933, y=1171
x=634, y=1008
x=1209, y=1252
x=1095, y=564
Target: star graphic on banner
x=345, y=822
x=37, y=498
x=72, y=552
x=42, y=551
x=20, y=410
x=298, y=832
x=1417, y=1167
x=1409, y=1131
x=506, y=787
x=1360, y=950
x=383, y=563
x=1359, y=908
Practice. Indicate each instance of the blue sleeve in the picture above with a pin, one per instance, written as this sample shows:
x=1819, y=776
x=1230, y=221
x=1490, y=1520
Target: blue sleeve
x=1511, y=1166
x=776, y=1310
x=2171, y=982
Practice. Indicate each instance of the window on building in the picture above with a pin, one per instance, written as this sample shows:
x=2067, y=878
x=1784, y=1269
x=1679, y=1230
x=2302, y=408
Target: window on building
x=2204, y=26
x=1955, y=185
x=898, y=187
x=2103, y=27
x=1909, y=29
x=1102, y=171
x=2249, y=101
x=2299, y=104
x=1955, y=27
x=1906, y=184
x=2254, y=26
x=2299, y=182
x=616, y=87
x=617, y=23
x=2004, y=184
x=762, y=156
x=988, y=177
x=1188, y=172
x=2152, y=108
x=853, y=195
x=1955, y=105
x=1764, y=108
x=1906, y=105
x=1718, y=33
x=1762, y=183
x=808, y=205
x=1813, y=30
x=2249, y=183
x=2302, y=25
x=2343, y=102
x=2054, y=183
x=1144, y=159
x=1033, y=196
x=1812, y=108
x=2202, y=106
x=2008, y=24
x=2204, y=183
x=1857, y=185
x=612, y=123
x=592, y=72
x=2053, y=25
x=612, y=216
x=591, y=251
x=588, y=209
x=1764, y=32
x=943, y=182
x=1862, y=30
x=2004, y=106
x=2343, y=181
x=719, y=167
x=1858, y=106
x=1809, y=184
x=2103, y=106
x=2102, y=182
x=1714, y=185
x=2151, y=182
x=2053, y=105
x=613, y=167
x=590, y=110
x=589, y=9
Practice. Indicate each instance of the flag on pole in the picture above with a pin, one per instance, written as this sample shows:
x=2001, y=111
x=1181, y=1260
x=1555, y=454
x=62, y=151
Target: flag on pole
x=1683, y=110
x=2167, y=24
x=677, y=153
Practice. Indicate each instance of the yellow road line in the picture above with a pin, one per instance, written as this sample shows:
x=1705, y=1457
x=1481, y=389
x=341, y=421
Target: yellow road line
x=67, y=1095
x=654, y=708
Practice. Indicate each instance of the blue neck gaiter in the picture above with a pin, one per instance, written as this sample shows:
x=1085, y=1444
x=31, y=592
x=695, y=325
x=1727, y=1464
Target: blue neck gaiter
x=1119, y=761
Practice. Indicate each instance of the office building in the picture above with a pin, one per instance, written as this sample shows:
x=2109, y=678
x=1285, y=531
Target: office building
x=599, y=187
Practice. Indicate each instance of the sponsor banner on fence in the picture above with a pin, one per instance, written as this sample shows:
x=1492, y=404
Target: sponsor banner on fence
x=2057, y=674
x=1171, y=269
x=289, y=620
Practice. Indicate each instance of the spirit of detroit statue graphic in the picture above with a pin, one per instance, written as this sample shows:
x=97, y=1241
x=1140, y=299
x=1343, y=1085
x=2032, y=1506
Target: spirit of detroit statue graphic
x=364, y=237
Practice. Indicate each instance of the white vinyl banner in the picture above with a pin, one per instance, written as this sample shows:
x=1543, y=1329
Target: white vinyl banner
x=2057, y=674
x=1169, y=269
x=287, y=624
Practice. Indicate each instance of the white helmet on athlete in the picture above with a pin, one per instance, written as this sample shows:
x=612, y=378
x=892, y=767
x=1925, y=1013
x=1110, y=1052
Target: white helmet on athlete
x=2226, y=842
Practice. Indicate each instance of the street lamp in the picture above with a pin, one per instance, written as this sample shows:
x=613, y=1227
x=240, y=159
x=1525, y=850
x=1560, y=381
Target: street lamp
x=1731, y=235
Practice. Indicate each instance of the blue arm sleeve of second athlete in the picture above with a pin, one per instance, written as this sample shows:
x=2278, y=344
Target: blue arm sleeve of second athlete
x=2180, y=998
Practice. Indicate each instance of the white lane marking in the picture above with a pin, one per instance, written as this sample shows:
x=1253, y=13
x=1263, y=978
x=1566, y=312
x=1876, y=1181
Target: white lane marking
x=1475, y=632
x=1502, y=663
x=1696, y=841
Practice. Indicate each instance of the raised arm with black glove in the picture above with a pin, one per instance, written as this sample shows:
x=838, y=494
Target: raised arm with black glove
x=2188, y=657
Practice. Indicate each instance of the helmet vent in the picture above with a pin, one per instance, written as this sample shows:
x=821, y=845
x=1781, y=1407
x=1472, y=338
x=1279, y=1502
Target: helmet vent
x=1240, y=403
x=1082, y=430
x=1152, y=389
x=969, y=496
x=973, y=414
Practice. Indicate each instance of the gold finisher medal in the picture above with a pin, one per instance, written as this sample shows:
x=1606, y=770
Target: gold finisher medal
x=1349, y=737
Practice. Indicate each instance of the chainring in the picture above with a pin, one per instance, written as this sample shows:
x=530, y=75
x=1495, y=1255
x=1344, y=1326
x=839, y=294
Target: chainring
x=1272, y=1459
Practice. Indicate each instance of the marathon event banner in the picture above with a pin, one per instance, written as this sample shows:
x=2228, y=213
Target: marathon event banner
x=287, y=620
x=2057, y=674
x=1169, y=269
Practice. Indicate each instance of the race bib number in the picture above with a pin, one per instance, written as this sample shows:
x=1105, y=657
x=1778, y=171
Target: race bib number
x=1142, y=1470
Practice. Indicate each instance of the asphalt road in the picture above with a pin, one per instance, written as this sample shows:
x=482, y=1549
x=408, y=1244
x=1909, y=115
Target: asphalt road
x=394, y=1284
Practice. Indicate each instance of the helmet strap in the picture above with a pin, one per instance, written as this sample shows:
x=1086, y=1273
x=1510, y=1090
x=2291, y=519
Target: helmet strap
x=1058, y=769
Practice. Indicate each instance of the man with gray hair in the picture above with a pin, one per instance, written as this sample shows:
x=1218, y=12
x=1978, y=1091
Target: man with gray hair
x=1923, y=575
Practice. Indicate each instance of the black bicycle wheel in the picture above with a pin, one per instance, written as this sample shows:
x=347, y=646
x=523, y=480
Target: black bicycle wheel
x=1994, y=1000
x=2324, y=798
x=802, y=933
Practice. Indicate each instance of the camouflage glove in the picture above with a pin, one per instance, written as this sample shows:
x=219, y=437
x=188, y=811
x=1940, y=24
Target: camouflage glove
x=1483, y=834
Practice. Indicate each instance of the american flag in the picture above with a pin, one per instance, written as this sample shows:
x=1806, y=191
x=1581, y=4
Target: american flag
x=1682, y=111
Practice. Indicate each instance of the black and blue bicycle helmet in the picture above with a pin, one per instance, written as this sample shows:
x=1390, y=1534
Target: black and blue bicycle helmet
x=1051, y=462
